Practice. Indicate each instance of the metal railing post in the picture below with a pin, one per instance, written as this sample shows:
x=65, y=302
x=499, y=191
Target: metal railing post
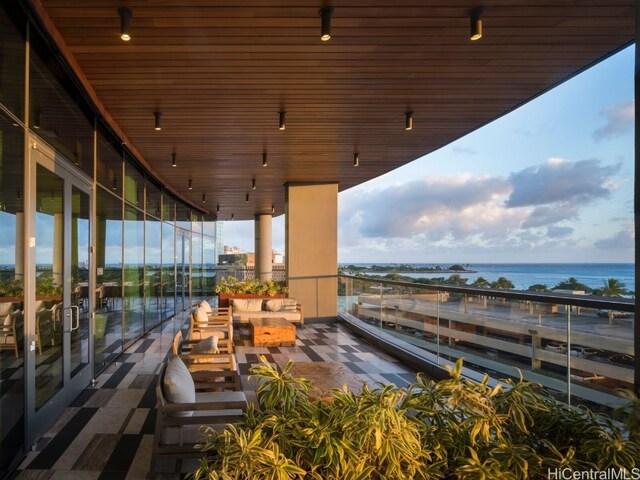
x=568, y=307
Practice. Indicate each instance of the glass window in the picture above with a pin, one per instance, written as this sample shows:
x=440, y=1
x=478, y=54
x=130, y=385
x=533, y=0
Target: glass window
x=168, y=270
x=108, y=225
x=109, y=161
x=133, y=183
x=154, y=200
x=59, y=114
x=152, y=277
x=183, y=216
x=11, y=293
x=133, y=268
x=208, y=265
x=168, y=208
x=209, y=227
x=197, y=291
x=196, y=222
x=12, y=47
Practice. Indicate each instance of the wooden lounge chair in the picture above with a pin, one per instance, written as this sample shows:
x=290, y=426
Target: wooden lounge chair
x=181, y=421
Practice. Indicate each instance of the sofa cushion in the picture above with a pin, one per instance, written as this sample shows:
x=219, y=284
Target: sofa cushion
x=279, y=304
x=204, y=304
x=247, y=304
x=208, y=345
x=178, y=386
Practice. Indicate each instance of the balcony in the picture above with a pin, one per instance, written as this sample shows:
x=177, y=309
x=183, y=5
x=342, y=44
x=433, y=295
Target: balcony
x=580, y=348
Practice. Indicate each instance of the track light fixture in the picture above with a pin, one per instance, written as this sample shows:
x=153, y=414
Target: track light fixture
x=253, y=184
x=217, y=209
x=158, y=117
x=281, y=125
x=125, y=23
x=173, y=160
x=190, y=185
x=36, y=119
x=356, y=159
x=475, y=27
x=408, y=121
x=204, y=198
x=325, y=27
x=264, y=159
x=247, y=198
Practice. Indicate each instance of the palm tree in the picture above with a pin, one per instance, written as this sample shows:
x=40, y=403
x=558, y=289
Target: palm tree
x=538, y=287
x=503, y=283
x=613, y=288
x=481, y=282
x=573, y=284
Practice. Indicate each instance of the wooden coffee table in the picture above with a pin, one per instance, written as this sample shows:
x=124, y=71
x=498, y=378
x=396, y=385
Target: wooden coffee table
x=272, y=332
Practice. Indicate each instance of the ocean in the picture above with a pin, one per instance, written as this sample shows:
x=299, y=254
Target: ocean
x=525, y=274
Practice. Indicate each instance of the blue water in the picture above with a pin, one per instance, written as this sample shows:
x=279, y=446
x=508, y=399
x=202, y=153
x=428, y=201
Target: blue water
x=525, y=274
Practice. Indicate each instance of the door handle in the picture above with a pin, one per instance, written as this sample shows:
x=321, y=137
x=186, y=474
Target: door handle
x=77, y=309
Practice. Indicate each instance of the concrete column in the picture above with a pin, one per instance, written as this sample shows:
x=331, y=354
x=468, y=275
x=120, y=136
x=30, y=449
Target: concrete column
x=263, y=247
x=19, y=275
x=58, y=247
x=311, y=245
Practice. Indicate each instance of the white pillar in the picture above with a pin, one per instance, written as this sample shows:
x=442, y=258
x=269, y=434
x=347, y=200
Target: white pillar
x=263, y=247
x=19, y=275
x=58, y=247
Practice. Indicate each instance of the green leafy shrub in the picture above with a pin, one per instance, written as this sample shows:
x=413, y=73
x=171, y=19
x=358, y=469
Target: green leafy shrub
x=452, y=429
x=231, y=285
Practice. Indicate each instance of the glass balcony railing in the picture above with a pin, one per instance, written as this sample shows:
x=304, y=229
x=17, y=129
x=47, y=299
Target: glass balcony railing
x=580, y=348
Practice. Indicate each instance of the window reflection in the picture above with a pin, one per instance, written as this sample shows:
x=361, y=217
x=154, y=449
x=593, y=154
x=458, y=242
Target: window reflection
x=108, y=305
x=133, y=269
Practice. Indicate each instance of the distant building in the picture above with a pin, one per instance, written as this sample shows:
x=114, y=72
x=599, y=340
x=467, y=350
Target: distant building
x=243, y=259
x=277, y=258
x=230, y=250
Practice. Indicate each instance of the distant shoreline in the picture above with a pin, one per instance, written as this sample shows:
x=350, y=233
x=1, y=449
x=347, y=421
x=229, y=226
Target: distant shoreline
x=418, y=271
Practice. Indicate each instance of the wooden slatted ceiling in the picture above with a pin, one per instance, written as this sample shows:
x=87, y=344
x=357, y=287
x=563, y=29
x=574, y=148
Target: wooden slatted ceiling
x=220, y=71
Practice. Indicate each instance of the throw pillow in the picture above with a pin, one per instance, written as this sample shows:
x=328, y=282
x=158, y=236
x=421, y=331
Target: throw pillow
x=208, y=345
x=200, y=315
x=289, y=305
x=204, y=304
x=178, y=385
x=274, y=305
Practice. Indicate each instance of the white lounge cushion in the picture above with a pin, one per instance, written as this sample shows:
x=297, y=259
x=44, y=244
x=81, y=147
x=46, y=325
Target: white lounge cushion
x=178, y=386
x=247, y=304
x=204, y=304
x=8, y=320
x=208, y=345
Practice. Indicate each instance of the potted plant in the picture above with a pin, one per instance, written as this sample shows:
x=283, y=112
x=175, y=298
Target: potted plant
x=231, y=287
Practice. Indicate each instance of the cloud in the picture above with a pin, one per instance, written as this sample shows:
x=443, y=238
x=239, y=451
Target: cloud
x=559, y=180
x=623, y=240
x=442, y=215
x=553, y=231
x=434, y=206
x=619, y=121
x=541, y=216
x=465, y=150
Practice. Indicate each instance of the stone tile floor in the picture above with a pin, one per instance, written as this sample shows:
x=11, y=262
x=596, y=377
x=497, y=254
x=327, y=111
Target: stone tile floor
x=107, y=432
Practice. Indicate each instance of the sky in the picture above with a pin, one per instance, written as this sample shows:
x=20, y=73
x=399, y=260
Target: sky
x=551, y=181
